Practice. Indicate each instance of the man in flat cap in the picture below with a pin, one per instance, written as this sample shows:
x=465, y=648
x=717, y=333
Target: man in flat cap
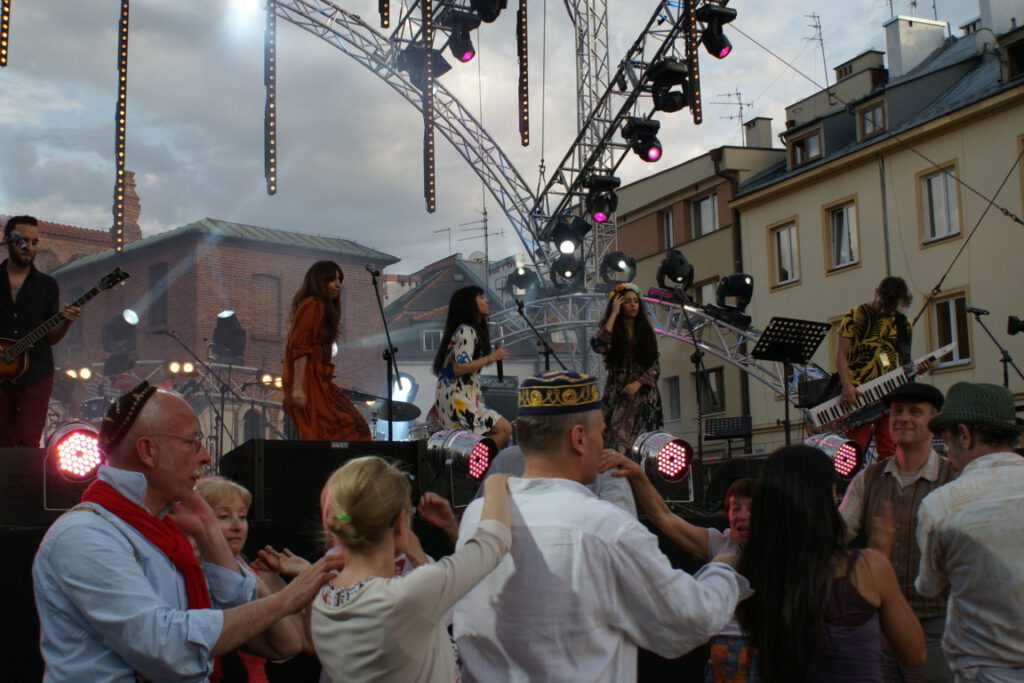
x=971, y=533
x=119, y=591
x=585, y=583
x=880, y=509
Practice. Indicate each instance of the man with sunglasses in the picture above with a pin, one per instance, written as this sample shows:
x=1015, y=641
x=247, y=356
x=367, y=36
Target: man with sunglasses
x=120, y=594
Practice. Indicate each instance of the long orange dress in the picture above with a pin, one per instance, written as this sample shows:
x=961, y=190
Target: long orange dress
x=328, y=414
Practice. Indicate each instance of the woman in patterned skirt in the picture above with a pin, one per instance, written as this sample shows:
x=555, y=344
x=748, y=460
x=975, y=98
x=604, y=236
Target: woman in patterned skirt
x=631, y=402
x=316, y=405
x=460, y=403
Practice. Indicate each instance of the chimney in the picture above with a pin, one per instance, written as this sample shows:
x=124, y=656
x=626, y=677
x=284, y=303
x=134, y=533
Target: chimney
x=132, y=209
x=757, y=132
x=909, y=40
x=1000, y=16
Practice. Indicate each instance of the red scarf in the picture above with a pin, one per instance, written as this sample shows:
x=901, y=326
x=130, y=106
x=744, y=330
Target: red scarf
x=166, y=535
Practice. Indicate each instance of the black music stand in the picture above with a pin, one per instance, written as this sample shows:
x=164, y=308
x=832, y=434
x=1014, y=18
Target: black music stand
x=789, y=341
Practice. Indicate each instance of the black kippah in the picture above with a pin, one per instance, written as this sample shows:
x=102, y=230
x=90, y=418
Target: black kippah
x=121, y=415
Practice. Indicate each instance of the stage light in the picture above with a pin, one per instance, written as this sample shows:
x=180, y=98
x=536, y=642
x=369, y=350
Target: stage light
x=488, y=9
x=120, y=118
x=405, y=388
x=714, y=17
x=270, y=100
x=175, y=367
x=569, y=233
x=130, y=316
x=739, y=286
x=1014, y=325
x=522, y=283
x=228, y=338
x=661, y=454
x=119, y=333
x=601, y=198
x=413, y=60
x=847, y=456
x=523, y=56
x=676, y=270
x=74, y=448
x=662, y=76
x=461, y=46
x=618, y=266
x=642, y=135
x=467, y=454
x=5, y=30
x=83, y=373
x=567, y=272
x=266, y=379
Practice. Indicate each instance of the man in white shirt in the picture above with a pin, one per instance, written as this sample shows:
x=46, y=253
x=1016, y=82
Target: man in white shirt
x=972, y=537
x=585, y=584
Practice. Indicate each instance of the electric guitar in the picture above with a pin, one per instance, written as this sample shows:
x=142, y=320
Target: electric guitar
x=13, y=354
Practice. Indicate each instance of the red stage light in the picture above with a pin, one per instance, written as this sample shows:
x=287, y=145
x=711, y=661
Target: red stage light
x=479, y=460
x=463, y=452
x=78, y=453
x=846, y=460
x=662, y=454
x=673, y=459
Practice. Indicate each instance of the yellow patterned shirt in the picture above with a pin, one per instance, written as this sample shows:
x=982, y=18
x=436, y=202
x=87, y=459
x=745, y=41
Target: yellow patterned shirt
x=878, y=343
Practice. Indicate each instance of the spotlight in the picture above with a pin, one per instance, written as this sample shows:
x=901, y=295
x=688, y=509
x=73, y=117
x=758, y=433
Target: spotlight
x=1014, y=325
x=462, y=452
x=676, y=269
x=568, y=234
x=74, y=449
x=413, y=59
x=459, y=24
x=847, y=456
x=601, y=199
x=714, y=17
x=662, y=76
x=175, y=367
x=461, y=46
x=738, y=285
x=488, y=9
x=618, y=266
x=662, y=454
x=405, y=388
x=567, y=272
x=522, y=283
x=228, y=338
x=642, y=135
x=119, y=333
x=82, y=373
x=266, y=379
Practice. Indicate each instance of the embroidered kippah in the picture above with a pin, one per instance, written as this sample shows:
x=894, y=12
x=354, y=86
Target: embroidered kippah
x=622, y=288
x=121, y=415
x=558, y=392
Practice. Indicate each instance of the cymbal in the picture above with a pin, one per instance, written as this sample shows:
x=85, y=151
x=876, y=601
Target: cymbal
x=361, y=395
x=403, y=412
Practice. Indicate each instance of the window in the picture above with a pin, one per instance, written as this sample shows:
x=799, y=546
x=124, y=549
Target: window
x=842, y=236
x=939, y=210
x=712, y=391
x=266, y=289
x=871, y=119
x=951, y=325
x=668, y=232
x=671, y=393
x=785, y=255
x=430, y=339
x=704, y=292
x=705, y=215
x=158, y=295
x=805, y=149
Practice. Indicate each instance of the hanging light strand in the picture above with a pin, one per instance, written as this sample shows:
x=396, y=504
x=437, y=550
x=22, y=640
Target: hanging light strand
x=270, y=108
x=522, y=46
x=117, y=230
x=429, y=180
x=5, y=30
x=693, y=61
x=384, y=9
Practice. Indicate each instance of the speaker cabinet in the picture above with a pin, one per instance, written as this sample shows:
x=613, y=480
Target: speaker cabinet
x=32, y=490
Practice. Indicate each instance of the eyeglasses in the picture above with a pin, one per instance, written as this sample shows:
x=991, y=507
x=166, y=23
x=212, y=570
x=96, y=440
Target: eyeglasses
x=197, y=442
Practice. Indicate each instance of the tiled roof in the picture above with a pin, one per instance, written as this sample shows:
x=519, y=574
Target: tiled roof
x=212, y=229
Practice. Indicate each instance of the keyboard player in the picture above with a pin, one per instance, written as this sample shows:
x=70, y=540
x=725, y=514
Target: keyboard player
x=874, y=338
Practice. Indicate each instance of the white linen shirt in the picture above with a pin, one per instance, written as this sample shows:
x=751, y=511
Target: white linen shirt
x=971, y=533
x=583, y=586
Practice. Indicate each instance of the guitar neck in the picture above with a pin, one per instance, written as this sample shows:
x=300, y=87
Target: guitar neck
x=29, y=340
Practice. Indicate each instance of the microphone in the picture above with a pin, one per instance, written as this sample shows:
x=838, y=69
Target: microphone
x=16, y=237
x=501, y=366
x=372, y=270
x=976, y=311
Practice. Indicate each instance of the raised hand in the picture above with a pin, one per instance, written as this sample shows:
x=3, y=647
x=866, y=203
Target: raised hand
x=286, y=562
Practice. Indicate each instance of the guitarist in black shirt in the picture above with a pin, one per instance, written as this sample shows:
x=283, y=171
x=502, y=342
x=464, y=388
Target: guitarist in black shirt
x=27, y=299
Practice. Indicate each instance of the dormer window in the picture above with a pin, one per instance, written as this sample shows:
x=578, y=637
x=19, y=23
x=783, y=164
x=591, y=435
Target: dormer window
x=805, y=149
x=871, y=119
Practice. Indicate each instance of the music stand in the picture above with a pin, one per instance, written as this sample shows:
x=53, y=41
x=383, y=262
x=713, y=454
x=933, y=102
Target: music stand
x=789, y=341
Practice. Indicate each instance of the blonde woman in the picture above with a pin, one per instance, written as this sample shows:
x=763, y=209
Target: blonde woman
x=367, y=623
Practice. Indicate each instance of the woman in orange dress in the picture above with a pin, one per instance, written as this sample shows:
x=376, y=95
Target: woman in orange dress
x=316, y=405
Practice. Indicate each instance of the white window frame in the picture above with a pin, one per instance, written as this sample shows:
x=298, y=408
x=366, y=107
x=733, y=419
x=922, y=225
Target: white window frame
x=791, y=246
x=704, y=207
x=427, y=335
x=950, y=322
x=844, y=251
x=800, y=153
x=668, y=229
x=940, y=205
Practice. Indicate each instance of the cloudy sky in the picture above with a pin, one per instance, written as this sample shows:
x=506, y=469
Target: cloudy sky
x=349, y=146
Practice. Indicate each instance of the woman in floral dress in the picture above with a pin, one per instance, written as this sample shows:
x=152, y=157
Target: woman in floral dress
x=460, y=403
x=631, y=402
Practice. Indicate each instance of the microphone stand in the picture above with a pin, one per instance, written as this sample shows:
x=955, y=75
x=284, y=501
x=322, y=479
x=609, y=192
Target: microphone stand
x=389, y=356
x=541, y=341
x=1005, y=358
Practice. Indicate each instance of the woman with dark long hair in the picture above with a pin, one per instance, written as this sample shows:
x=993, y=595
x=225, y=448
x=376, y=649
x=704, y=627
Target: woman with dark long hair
x=316, y=405
x=817, y=607
x=465, y=350
x=631, y=403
